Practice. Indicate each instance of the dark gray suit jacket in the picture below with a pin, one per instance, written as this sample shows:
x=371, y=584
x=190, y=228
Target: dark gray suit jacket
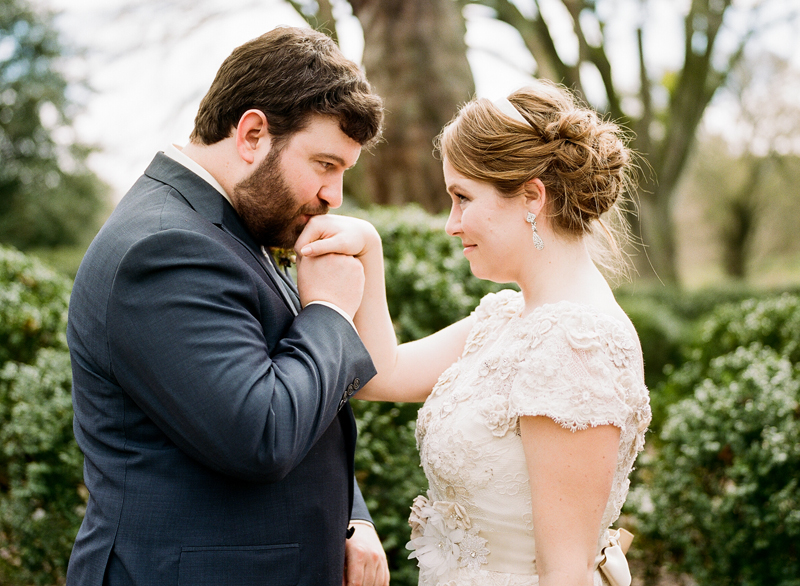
x=218, y=443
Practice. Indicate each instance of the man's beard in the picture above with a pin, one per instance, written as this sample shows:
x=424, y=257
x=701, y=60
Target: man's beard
x=268, y=207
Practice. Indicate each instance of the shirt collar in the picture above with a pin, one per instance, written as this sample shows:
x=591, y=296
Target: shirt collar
x=174, y=152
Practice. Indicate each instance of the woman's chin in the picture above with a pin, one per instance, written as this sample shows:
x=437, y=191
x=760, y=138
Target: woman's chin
x=485, y=274
x=476, y=271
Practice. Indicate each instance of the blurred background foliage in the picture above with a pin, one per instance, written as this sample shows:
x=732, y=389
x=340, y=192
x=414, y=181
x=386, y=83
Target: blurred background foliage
x=715, y=492
x=715, y=200
x=41, y=473
x=415, y=56
x=718, y=495
x=48, y=196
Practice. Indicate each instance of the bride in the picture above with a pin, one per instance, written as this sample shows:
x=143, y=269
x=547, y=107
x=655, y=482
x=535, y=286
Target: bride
x=535, y=405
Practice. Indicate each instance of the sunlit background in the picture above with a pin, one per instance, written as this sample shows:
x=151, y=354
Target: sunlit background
x=148, y=63
x=710, y=92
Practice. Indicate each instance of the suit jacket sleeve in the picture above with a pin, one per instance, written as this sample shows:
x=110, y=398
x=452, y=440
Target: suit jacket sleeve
x=360, y=511
x=187, y=335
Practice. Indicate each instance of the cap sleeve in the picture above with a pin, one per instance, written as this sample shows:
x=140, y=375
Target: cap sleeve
x=577, y=369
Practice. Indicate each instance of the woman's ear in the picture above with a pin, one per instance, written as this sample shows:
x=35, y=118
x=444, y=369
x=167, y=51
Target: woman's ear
x=252, y=135
x=535, y=195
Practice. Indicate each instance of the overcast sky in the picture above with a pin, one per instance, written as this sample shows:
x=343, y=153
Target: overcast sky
x=149, y=68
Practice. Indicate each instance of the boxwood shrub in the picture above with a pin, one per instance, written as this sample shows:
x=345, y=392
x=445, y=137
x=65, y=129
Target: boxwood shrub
x=720, y=498
x=42, y=497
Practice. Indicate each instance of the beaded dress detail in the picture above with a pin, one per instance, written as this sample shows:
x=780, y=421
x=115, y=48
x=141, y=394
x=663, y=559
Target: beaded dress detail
x=565, y=361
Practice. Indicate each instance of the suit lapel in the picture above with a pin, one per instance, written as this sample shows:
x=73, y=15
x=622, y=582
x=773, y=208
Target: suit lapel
x=287, y=278
x=210, y=204
x=232, y=224
x=287, y=284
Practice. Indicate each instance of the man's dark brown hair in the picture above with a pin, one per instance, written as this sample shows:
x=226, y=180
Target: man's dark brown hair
x=289, y=74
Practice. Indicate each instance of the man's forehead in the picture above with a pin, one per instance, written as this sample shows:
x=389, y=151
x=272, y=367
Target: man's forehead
x=323, y=138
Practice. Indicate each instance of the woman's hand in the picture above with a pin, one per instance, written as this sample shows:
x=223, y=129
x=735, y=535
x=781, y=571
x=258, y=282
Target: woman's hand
x=328, y=234
x=405, y=374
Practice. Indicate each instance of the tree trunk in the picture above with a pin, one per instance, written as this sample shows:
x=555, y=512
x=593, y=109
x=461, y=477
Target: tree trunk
x=738, y=232
x=415, y=58
x=653, y=230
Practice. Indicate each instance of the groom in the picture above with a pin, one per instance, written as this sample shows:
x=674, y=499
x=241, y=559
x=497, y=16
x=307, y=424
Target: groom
x=210, y=396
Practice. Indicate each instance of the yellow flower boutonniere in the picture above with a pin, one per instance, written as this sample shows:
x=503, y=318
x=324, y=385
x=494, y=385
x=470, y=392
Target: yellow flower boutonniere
x=285, y=257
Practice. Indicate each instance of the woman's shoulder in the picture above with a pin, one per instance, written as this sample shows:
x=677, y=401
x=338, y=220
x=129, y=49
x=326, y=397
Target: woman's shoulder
x=585, y=325
x=580, y=365
x=601, y=327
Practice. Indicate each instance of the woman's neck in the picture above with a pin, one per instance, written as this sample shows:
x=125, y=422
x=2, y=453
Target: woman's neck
x=563, y=270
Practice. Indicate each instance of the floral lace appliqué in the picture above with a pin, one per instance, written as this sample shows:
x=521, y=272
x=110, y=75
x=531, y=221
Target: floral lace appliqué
x=451, y=456
x=494, y=411
x=505, y=304
x=510, y=484
x=443, y=539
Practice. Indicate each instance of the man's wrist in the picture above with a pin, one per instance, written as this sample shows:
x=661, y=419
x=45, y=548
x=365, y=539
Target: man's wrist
x=361, y=522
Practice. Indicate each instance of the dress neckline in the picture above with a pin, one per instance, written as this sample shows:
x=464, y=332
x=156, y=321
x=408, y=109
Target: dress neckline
x=555, y=307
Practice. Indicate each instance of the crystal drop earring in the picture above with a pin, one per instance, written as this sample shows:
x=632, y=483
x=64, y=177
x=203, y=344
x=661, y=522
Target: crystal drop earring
x=537, y=240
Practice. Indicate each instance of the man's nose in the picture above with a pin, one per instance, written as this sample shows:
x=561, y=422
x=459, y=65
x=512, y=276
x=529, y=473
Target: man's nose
x=331, y=194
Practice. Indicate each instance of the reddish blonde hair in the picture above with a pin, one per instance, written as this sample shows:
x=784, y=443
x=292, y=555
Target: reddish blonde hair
x=582, y=160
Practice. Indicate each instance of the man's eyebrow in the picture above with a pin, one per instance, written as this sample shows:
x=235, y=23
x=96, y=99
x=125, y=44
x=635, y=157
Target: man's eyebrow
x=335, y=158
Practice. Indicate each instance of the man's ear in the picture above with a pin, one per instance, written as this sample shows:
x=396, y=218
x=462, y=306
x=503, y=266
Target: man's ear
x=252, y=135
x=535, y=195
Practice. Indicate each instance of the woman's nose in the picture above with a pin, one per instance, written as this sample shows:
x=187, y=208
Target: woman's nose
x=453, y=225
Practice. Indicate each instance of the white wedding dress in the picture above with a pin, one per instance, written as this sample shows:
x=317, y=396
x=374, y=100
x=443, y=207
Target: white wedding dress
x=564, y=361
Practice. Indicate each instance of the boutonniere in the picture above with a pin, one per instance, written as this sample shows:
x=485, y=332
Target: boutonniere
x=285, y=257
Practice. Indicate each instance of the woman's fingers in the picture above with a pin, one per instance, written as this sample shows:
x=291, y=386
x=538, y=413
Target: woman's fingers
x=325, y=245
x=335, y=234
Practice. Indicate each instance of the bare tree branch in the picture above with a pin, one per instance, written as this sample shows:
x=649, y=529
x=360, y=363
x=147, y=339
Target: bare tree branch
x=536, y=35
x=642, y=140
x=195, y=15
x=320, y=19
x=595, y=54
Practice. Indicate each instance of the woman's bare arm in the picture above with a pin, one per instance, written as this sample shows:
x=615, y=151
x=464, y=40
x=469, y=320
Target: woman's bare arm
x=406, y=372
x=570, y=475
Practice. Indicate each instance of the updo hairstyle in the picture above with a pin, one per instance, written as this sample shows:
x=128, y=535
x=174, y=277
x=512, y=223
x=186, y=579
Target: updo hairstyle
x=582, y=160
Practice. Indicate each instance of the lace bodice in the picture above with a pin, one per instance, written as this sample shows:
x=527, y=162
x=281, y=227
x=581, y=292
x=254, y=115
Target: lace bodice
x=564, y=361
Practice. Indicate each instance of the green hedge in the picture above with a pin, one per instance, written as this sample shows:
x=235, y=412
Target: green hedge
x=389, y=474
x=42, y=497
x=33, y=307
x=675, y=332
x=706, y=360
x=720, y=497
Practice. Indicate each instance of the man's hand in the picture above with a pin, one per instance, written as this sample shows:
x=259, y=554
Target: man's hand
x=334, y=278
x=364, y=559
x=337, y=234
